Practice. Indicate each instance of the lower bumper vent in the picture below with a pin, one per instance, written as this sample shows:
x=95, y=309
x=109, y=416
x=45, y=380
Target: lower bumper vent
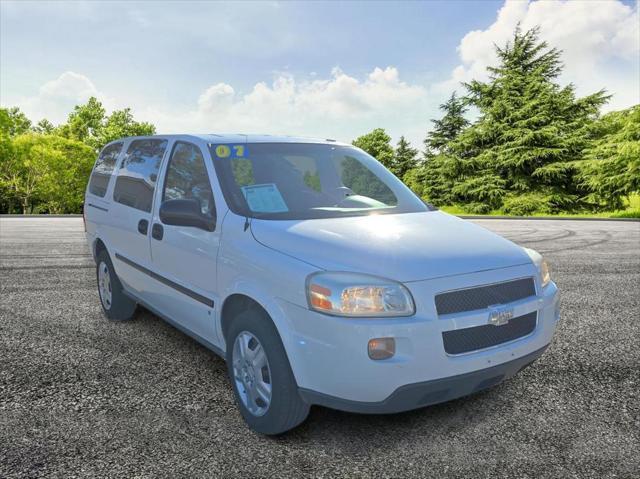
x=460, y=341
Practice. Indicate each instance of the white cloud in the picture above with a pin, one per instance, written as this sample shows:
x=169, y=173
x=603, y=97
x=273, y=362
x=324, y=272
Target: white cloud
x=68, y=86
x=56, y=98
x=340, y=106
x=600, y=41
x=215, y=98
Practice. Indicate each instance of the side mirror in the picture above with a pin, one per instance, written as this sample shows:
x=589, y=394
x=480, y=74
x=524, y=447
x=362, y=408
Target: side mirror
x=185, y=213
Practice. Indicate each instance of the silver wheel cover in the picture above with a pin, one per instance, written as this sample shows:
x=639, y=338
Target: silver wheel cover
x=251, y=373
x=104, y=285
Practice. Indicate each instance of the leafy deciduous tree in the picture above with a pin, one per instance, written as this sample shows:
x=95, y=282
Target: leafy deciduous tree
x=378, y=144
x=46, y=171
x=44, y=168
x=44, y=127
x=120, y=124
x=85, y=123
x=14, y=121
x=89, y=124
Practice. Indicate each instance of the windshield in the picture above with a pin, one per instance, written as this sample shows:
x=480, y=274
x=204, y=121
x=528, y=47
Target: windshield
x=306, y=181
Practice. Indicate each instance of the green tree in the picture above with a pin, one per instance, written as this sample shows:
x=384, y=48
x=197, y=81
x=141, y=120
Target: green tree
x=378, y=144
x=85, y=123
x=612, y=167
x=435, y=178
x=13, y=121
x=447, y=128
x=44, y=168
x=362, y=181
x=7, y=198
x=44, y=127
x=529, y=133
x=120, y=124
x=405, y=158
x=46, y=173
x=89, y=124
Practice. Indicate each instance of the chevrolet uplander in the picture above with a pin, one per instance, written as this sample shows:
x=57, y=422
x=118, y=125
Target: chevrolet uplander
x=315, y=273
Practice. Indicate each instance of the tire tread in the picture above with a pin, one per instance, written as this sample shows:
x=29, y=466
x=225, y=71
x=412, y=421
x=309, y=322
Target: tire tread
x=292, y=410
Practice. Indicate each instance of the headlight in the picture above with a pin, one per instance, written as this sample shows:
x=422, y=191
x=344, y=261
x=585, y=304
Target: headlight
x=358, y=295
x=542, y=265
x=545, y=273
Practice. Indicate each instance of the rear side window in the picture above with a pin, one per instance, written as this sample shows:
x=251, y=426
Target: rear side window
x=104, y=167
x=187, y=178
x=138, y=174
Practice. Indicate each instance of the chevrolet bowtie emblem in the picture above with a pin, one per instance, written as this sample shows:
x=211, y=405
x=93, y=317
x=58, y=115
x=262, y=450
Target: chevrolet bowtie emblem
x=499, y=316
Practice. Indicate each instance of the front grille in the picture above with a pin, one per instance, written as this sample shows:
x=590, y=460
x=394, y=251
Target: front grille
x=460, y=341
x=483, y=296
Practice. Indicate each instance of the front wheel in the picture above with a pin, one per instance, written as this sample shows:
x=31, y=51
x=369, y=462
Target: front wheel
x=265, y=389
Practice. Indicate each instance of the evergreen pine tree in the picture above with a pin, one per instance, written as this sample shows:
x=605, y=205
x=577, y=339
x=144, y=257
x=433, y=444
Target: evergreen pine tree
x=612, y=166
x=405, y=158
x=521, y=152
x=447, y=128
x=439, y=171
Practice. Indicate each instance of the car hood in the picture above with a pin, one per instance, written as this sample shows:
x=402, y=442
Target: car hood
x=404, y=247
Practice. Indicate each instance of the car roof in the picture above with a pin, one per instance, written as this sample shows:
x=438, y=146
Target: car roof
x=219, y=138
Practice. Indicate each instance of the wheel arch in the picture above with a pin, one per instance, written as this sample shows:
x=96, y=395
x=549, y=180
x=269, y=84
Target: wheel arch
x=98, y=247
x=243, y=298
x=233, y=305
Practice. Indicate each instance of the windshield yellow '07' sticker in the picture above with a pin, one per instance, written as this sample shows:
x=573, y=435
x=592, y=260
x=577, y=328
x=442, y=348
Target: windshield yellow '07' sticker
x=230, y=151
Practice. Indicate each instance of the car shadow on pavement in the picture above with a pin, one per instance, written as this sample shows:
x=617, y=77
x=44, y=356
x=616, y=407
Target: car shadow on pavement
x=350, y=434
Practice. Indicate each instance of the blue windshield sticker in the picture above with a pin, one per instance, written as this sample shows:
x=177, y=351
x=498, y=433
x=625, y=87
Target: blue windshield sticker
x=230, y=151
x=264, y=198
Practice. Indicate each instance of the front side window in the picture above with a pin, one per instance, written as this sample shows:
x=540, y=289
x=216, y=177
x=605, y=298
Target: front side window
x=138, y=173
x=187, y=178
x=105, y=164
x=307, y=181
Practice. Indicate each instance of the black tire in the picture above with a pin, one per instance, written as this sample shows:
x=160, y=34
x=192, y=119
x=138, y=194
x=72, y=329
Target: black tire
x=120, y=307
x=287, y=409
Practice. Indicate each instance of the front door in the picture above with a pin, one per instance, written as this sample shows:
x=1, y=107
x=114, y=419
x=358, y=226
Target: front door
x=184, y=257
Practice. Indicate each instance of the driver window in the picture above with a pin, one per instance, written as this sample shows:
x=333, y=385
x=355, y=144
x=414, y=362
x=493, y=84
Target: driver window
x=187, y=178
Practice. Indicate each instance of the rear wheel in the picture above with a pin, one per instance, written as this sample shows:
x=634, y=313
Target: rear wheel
x=265, y=389
x=116, y=305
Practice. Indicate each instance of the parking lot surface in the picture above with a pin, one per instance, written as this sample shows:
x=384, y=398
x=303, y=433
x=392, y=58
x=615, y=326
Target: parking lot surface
x=84, y=397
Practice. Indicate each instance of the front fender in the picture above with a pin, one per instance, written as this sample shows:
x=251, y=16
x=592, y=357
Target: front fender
x=268, y=277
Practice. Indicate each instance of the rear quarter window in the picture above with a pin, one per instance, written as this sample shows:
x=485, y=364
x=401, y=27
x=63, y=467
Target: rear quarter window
x=138, y=174
x=103, y=168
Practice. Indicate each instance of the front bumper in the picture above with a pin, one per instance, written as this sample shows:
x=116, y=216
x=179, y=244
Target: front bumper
x=413, y=396
x=328, y=355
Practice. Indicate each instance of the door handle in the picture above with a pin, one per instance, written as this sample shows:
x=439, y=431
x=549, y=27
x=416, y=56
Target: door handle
x=143, y=227
x=157, y=231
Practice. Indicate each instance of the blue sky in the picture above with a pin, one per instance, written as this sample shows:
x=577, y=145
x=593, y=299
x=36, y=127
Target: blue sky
x=314, y=68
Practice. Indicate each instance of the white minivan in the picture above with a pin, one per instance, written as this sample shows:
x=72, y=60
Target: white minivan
x=315, y=273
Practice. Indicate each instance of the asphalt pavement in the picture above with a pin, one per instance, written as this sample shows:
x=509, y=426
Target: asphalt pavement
x=84, y=397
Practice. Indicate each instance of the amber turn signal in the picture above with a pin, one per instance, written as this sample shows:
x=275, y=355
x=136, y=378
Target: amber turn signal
x=382, y=348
